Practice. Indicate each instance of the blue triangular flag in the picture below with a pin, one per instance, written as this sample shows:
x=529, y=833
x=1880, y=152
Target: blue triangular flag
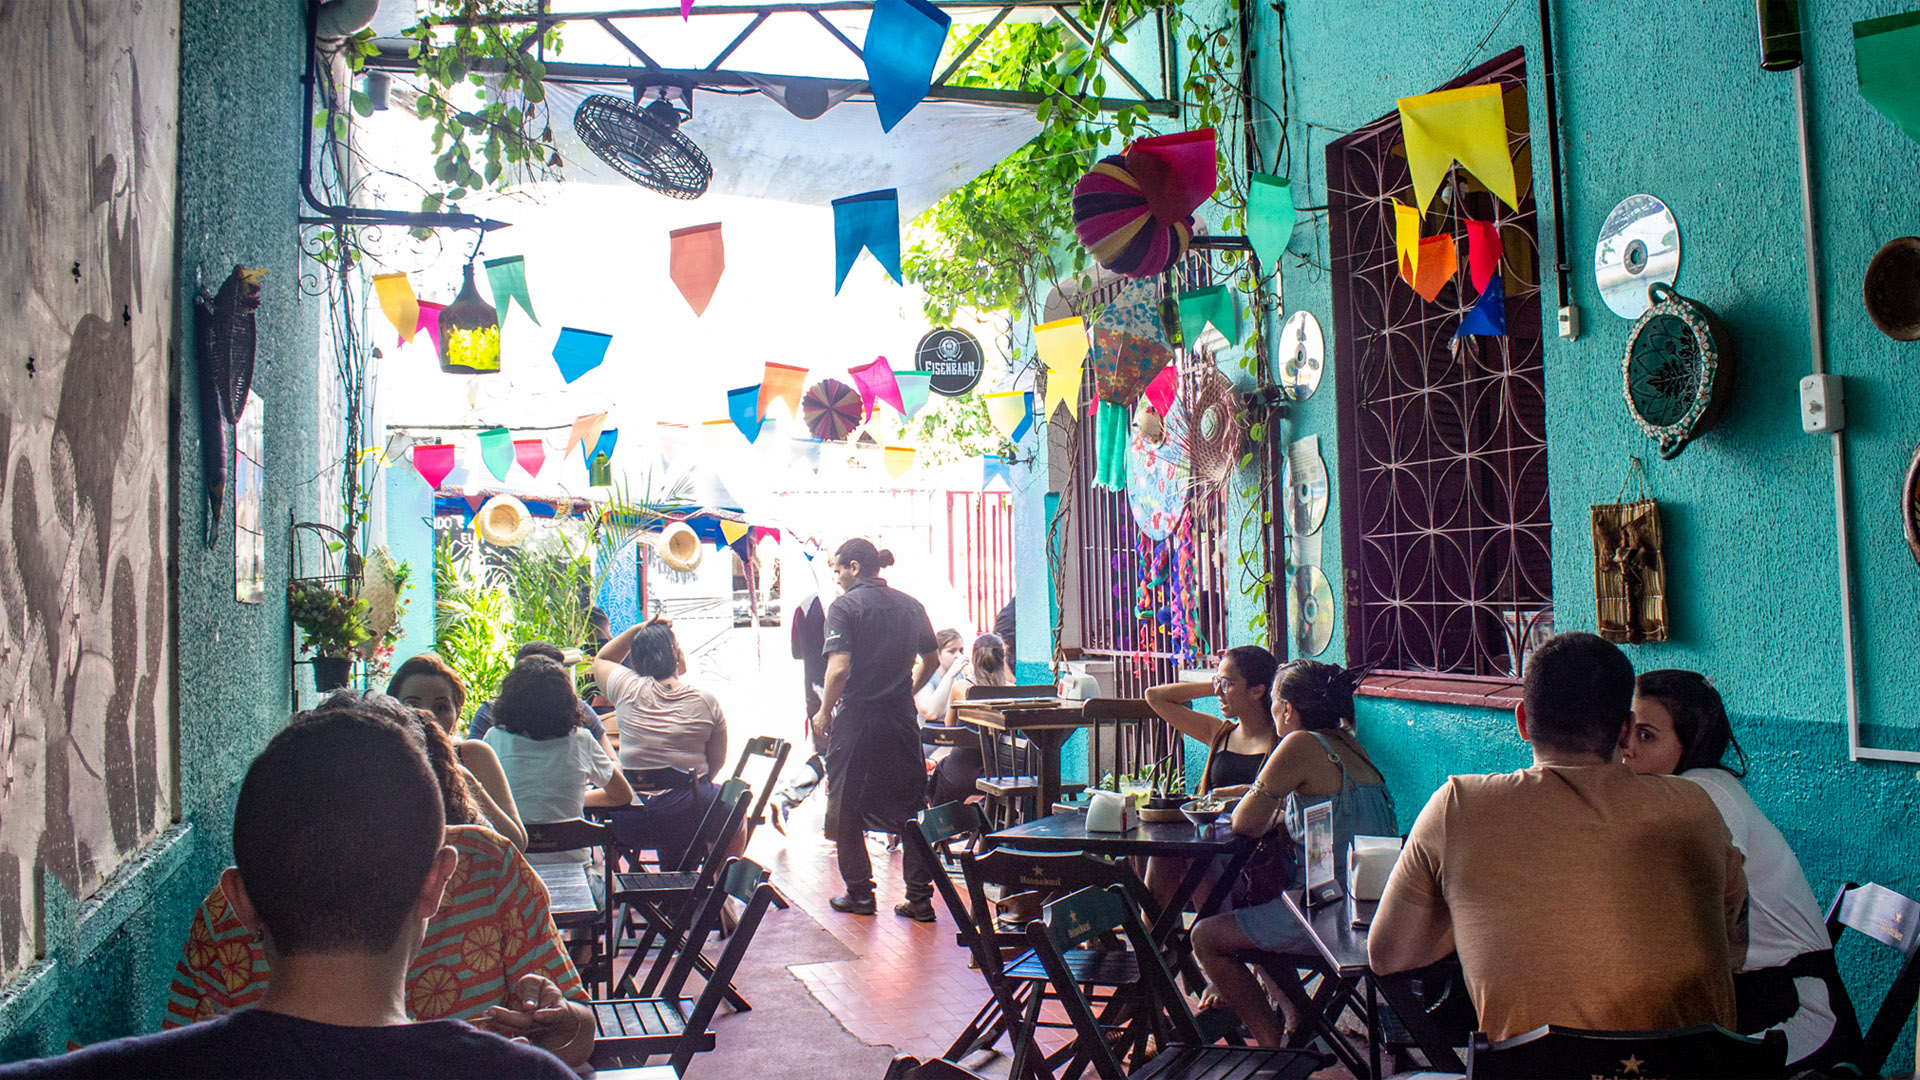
x=904, y=39
x=992, y=465
x=1488, y=317
x=743, y=405
x=870, y=220
x=808, y=453
x=600, y=461
x=579, y=351
x=1026, y=421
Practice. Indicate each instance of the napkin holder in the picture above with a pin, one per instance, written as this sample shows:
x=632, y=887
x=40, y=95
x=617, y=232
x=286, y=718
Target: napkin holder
x=1110, y=812
x=1078, y=687
x=1370, y=861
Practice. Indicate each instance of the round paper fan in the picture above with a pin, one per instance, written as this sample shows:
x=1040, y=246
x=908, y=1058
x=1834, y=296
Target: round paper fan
x=1114, y=221
x=830, y=409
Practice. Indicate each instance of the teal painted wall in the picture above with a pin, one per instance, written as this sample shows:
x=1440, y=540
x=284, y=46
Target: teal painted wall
x=109, y=959
x=410, y=540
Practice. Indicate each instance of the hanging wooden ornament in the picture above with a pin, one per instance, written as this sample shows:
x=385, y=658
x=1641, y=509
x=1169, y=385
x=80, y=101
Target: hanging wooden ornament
x=1629, y=567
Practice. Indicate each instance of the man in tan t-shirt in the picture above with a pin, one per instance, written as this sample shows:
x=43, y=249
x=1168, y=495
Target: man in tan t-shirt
x=1576, y=892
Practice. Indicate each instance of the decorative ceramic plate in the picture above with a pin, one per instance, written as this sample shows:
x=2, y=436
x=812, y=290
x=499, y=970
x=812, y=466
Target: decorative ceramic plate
x=1677, y=370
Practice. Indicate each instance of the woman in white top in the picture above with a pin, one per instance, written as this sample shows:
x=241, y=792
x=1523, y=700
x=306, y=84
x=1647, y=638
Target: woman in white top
x=663, y=722
x=1788, y=980
x=956, y=777
x=550, y=759
x=932, y=698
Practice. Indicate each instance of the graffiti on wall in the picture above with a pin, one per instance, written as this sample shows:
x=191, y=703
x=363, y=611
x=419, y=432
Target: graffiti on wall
x=87, y=156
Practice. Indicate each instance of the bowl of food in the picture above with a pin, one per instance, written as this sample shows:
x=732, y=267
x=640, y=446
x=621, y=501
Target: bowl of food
x=1203, y=811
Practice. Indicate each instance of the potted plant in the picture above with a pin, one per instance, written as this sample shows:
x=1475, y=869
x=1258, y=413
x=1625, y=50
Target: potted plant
x=334, y=623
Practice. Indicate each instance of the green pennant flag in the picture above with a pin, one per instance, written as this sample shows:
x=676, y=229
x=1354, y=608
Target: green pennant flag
x=1270, y=218
x=508, y=277
x=496, y=449
x=1216, y=304
x=1886, y=56
x=1111, y=439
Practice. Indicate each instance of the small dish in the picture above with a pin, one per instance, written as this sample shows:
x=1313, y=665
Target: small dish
x=1201, y=813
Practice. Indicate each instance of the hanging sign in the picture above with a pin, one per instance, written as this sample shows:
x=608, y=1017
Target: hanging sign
x=953, y=358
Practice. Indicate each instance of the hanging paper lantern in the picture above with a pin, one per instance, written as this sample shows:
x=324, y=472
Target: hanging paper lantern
x=831, y=409
x=469, y=334
x=1134, y=211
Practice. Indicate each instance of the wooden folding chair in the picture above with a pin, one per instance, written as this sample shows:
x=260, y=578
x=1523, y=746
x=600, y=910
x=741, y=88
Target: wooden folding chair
x=661, y=904
x=550, y=836
x=931, y=832
x=630, y=1030
x=774, y=751
x=1701, y=1052
x=1010, y=781
x=1071, y=922
x=1892, y=920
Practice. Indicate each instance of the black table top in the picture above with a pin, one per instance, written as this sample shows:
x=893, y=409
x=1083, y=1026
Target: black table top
x=1334, y=936
x=1067, y=831
x=568, y=892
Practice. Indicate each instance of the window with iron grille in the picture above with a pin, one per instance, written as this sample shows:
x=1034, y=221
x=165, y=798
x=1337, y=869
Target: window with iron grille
x=1443, y=444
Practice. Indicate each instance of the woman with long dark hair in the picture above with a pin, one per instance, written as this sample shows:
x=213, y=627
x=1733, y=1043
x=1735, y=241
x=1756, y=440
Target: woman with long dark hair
x=957, y=775
x=426, y=682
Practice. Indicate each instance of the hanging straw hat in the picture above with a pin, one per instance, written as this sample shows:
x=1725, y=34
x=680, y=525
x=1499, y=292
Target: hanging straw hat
x=504, y=521
x=679, y=547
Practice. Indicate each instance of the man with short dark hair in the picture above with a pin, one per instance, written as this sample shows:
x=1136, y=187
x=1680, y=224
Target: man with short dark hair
x=1575, y=892
x=339, y=859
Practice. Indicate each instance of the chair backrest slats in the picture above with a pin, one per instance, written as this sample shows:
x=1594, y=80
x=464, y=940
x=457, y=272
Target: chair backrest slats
x=775, y=751
x=1893, y=920
x=710, y=997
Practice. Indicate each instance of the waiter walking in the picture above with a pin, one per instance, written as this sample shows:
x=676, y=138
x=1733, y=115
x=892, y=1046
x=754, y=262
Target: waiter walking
x=876, y=777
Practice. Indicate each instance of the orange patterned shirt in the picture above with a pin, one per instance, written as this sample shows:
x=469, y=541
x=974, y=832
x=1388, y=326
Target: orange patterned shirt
x=492, y=928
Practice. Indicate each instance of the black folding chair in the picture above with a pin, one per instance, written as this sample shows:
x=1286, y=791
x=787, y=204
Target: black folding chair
x=1892, y=920
x=775, y=751
x=931, y=832
x=550, y=836
x=630, y=1030
x=1076, y=919
x=661, y=904
x=1701, y=1052
x=1010, y=779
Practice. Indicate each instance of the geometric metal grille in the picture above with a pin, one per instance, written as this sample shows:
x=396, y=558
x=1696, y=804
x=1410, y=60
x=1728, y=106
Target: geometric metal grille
x=1445, y=520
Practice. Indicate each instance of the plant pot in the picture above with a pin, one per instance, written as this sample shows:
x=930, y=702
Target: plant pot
x=331, y=672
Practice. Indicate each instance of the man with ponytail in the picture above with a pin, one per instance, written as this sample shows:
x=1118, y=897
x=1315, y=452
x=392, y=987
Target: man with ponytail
x=876, y=777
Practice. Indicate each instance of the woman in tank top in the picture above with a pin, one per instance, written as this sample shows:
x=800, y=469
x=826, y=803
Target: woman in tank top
x=1318, y=757
x=1237, y=741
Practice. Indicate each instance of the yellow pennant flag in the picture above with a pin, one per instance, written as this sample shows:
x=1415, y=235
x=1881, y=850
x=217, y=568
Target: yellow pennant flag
x=1406, y=240
x=1468, y=125
x=1006, y=410
x=897, y=459
x=1061, y=342
x=584, y=433
x=397, y=300
x=1063, y=388
x=781, y=382
x=732, y=530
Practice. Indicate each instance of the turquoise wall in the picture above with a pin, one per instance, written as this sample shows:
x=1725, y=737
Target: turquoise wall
x=410, y=540
x=109, y=959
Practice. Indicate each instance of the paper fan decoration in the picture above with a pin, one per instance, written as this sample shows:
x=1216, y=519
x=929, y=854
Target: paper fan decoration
x=1134, y=211
x=1130, y=344
x=831, y=409
x=1158, y=475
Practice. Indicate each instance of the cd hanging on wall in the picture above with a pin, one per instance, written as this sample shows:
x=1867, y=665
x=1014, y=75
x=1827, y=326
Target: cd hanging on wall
x=1306, y=479
x=1302, y=355
x=1310, y=611
x=1639, y=245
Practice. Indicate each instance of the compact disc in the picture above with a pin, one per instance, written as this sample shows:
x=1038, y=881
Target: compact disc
x=1639, y=245
x=1310, y=611
x=1306, y=480
x=1302, y=355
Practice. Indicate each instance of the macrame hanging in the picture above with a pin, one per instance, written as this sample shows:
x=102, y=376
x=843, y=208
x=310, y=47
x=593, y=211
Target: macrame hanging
x=1629, y=567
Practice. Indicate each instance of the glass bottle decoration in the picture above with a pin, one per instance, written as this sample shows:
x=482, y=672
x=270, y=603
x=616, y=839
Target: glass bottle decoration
x=1779, y=35
x=469, y=334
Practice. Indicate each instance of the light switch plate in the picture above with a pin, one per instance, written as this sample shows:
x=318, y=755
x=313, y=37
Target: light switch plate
x=1823, y=405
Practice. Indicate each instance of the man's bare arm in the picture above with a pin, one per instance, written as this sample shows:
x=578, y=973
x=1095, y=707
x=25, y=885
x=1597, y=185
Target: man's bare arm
x=838, y=665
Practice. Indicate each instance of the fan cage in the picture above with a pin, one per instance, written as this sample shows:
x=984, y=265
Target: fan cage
x=643, y=150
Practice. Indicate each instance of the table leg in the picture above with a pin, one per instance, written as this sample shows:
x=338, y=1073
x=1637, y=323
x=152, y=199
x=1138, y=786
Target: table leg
x=1373, y=1027
x=1048, y=742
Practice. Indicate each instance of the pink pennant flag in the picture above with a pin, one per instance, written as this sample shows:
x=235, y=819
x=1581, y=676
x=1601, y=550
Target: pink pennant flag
x=430, y=321
x=1160, y=392
x=1484, y=248
x=585, y=430
x=434, y=461
x=531, y=454
x=875, y=380
x=475, y=502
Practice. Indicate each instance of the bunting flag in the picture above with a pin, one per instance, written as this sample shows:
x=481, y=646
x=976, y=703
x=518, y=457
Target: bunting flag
x=674, y=441
x=1176, y=172
x=686, y=10
x=1115, y=431
x=1484, y=248
x=430, y=321
x=1468, y=125
x=781, y=382
x=1488, y=317
x=695, y=261
x=733, y=531
x=993, y=466
x=1026, y=416
x=579, y=351
x=585, y=430
x=1406, y=241
x=1215, y=305
x=876, y=382
x=915, y=388
x=1062, y=342
x=1270, y=217
x=496, y=449
x=807, y=452
x=743, y=407
x=904, y=39
x=531, y=454
x=1439, y=261
x=871, y=221
x=1063, y=388
x=1884, y=52
x=759, y=533
x=399, y=304
x=897, y=460
x=434, y=461
x=600, y=461
x=1006, y=411
x=508, y=279
x=1160, y=392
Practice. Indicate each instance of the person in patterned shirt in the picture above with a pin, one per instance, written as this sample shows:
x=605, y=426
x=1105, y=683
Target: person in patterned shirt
x=491, y=955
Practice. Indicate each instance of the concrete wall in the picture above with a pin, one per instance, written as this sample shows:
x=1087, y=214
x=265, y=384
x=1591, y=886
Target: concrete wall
x=109, y=958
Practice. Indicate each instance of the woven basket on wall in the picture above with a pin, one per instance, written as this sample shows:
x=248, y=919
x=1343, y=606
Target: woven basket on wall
x=1629, y=572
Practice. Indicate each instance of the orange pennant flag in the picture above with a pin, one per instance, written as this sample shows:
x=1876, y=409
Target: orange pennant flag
x=781, y=382
x=897, y=460
x=1439, y=261
x=585, y=430
x=696, y=262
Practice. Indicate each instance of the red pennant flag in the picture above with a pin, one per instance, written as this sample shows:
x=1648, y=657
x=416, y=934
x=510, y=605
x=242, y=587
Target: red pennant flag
x=475, y=502
x=1484, y=248
x=695, y=262
x=531, y=454
x=1161, y=390
x=435, y=461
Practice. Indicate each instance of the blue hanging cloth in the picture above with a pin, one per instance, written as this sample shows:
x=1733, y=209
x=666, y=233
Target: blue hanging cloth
x=904, y=39
x=871, y=221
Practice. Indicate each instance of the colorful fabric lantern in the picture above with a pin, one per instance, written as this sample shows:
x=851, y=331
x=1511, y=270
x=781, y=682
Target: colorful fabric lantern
x=469, y=333
x=904, y=39
x=695, y=262
x=830, y=409
x=1134, y=211
x=870, y=221
x=1130, y=344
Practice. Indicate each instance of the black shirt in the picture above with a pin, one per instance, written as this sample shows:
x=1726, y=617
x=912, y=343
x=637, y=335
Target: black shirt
x=256, y=1043
x=882, y=630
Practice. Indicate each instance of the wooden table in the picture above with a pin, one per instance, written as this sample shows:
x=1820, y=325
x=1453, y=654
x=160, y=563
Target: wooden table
x=1046, y=727
x=569, y=894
